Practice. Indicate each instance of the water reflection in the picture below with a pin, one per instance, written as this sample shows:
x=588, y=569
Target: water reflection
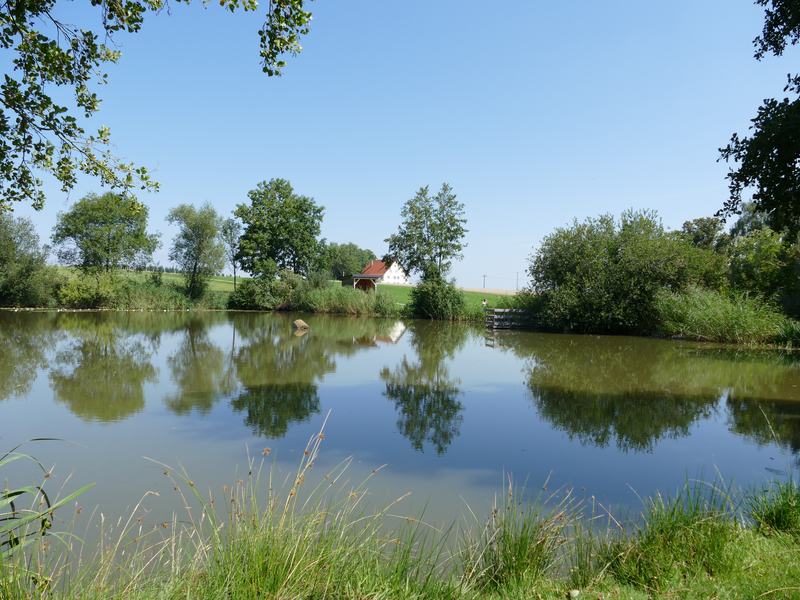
x=269, y=353
x=425, y=396
x=201, y=371
x=632, y=421
x=630, y=393
x=280, y=370
x=271, y=409
x=635, y=392
x=101, y=373
x=25, y=339
x=767, y=423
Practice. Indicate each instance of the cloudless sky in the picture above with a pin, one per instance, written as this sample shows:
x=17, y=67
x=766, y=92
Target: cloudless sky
x=534, y=111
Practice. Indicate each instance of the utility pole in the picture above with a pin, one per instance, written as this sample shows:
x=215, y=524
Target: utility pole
x=484, y=282
x=517, y=280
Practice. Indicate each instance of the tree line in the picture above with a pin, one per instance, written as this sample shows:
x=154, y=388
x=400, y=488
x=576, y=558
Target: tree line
x=274, y=237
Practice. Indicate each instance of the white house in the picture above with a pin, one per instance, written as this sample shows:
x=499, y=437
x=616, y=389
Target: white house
x=376, y=272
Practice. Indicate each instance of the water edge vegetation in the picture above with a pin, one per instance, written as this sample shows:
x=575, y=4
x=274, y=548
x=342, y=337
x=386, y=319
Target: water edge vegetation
x=710, y=539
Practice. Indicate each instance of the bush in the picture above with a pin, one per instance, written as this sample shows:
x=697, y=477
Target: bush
x=317, y=280
x=25, y=279
x=601, y=276
x=29, y=284
x=763, y=263
x=436, y=298
x=89, y=292
x=252, y=294
x=288, y=282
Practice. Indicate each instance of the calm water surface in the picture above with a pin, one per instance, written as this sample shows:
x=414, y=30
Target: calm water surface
x=447, y=408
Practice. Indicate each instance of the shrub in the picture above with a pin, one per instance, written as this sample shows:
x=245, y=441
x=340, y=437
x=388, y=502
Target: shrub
x=287, y=282
x=436, y=298
x=764, y=263
x=601, y=276
x=252, y=294
x=317, y=280
x=89, y=292
x=29, y=284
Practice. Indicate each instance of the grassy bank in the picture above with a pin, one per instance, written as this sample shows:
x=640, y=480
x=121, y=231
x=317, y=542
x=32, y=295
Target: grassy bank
x=694, y=313
x=705, y=315
x=708, y=541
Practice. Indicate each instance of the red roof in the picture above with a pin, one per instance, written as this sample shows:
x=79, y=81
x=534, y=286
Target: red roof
x=375, y=267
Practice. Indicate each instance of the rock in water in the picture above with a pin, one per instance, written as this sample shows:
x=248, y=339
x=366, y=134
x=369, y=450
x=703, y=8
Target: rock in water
x=300, y=324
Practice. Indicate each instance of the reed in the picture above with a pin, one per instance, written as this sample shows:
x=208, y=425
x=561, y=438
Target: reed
x=344, y=301
x=702, y=314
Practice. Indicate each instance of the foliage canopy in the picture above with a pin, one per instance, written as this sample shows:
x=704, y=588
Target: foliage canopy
x=25, y=280
x=431, y=233
x=39, y=134
x=768, y=158
x=104, y=233
x=280, y=230
x=601, y=276
x=345, y=259
x=196, y=248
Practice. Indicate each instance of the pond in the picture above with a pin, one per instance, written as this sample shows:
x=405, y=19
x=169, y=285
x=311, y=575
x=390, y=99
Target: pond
x=449, y=409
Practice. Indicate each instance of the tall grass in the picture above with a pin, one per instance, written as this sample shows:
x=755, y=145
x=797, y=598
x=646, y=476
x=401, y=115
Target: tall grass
x=520, y=539
x=701, y=314
x=278, y=539
x=689, y=536
x=343, y=301
x=775, y=507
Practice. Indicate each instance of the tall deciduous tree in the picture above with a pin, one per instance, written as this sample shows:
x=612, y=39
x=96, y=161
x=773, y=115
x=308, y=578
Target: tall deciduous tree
x=280, y=229
x=769, y=159
x=706, y=233
x=37, y=134
x=230, y=233
x=104, y=233
x=431, y=235
x=196, y=248
x=25, y=280
x=346, y=259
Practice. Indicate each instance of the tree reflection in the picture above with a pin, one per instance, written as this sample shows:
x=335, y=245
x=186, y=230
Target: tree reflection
x=271, y=409
x=767, y=423
x=271, y=355
x=101, y=376
x=632, y=392
x=26, y=339
x=632, y=421
x=201, y=371
x=280, y=370
x=424, y=395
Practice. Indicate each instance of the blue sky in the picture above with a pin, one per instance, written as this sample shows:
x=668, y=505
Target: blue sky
x=535, y=112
